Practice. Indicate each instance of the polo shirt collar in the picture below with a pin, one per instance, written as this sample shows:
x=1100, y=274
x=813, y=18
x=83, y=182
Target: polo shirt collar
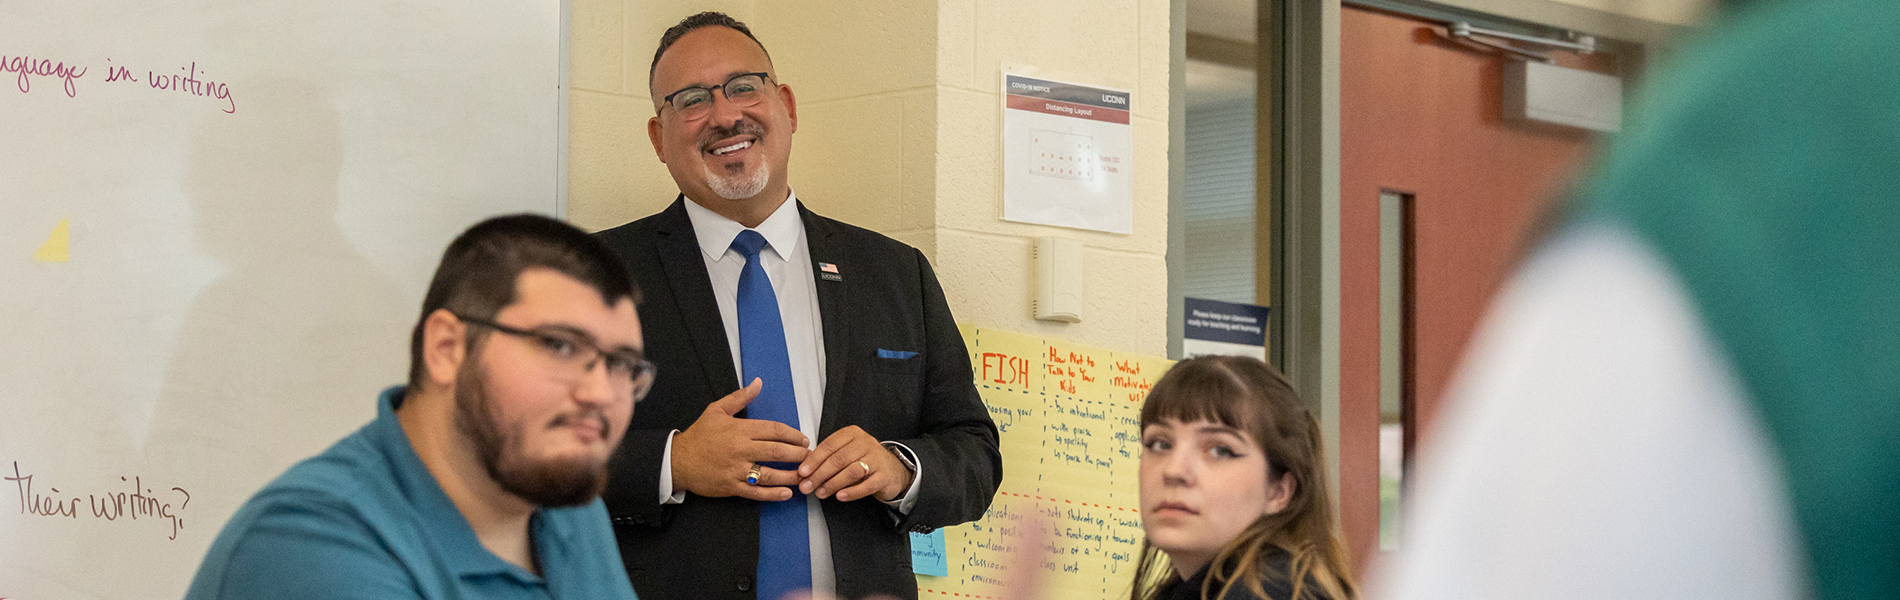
x=715, y=232
x=446, y=528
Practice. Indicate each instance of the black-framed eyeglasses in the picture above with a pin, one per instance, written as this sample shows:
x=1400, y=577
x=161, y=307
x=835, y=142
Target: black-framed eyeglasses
x=695, y=102
x=630, y=374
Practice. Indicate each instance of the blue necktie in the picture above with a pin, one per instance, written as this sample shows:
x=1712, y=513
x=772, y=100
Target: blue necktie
x=784, y=534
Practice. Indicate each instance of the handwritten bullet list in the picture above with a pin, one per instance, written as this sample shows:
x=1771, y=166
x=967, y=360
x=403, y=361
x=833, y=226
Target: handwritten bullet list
x=166, y=506
x=188, y=80
x=1069, y=424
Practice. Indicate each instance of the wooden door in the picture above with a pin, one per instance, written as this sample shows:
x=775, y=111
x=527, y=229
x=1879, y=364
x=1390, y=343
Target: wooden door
x=1421, y=119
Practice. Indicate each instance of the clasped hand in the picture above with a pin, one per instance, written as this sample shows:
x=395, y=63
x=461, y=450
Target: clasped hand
x=713, y=457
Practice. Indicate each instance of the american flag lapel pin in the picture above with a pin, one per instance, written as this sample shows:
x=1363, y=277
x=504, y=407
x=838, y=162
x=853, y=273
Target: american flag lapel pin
x=829, y=272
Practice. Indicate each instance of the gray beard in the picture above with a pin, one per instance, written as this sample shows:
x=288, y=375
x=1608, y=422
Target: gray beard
x=547, y=483
x=741, y=186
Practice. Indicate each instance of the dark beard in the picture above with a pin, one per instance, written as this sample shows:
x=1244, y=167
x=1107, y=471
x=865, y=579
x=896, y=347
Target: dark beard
x=547, y=484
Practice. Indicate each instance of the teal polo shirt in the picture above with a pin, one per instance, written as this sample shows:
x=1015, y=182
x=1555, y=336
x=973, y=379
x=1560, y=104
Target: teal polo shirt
x=365, y=519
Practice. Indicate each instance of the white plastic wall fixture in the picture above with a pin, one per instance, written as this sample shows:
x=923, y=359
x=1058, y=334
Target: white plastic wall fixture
x=1058, y=280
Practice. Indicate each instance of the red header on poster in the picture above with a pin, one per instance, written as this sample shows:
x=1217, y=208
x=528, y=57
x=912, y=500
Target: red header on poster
x=1068, y=109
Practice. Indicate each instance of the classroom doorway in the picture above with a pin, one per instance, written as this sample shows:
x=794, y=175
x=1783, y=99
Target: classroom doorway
x=1439, y=193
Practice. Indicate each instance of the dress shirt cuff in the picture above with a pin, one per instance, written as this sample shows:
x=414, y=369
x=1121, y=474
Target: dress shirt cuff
x=904, y=503
x=666, y=474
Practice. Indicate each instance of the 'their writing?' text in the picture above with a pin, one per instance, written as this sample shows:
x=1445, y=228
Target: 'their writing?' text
x=167, y=507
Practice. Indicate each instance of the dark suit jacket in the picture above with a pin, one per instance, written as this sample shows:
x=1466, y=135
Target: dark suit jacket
x=888, y=299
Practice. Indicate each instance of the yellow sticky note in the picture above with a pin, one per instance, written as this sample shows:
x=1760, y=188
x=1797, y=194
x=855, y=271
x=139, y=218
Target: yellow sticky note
x=56, y=248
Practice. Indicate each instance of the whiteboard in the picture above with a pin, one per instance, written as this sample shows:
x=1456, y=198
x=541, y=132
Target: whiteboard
x=250, y=196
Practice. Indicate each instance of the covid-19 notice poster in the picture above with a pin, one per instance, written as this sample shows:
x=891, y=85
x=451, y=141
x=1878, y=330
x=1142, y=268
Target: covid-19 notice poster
x=1067, y=155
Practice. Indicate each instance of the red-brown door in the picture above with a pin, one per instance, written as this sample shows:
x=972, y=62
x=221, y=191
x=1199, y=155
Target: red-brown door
x=1422, y=116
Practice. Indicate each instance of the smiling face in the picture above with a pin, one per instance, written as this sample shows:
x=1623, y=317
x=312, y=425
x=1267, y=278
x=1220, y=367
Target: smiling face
x=1202, y=483
x=732, y=155
x=542, y=429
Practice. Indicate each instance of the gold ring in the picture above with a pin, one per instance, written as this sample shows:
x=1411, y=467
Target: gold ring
x=752, y=476
x=867, y=468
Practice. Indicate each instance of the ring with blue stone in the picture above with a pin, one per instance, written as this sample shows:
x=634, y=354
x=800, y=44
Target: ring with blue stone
x=752, y=476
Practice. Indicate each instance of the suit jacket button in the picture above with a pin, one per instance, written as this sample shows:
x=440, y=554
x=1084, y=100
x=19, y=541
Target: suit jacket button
x=744, y=583
x=640, y=519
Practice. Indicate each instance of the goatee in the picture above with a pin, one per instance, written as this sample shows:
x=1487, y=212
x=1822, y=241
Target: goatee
x=743, y=183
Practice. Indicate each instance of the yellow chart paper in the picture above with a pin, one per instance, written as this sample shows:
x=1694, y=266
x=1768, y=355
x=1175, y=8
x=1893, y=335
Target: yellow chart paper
x=1068, y=415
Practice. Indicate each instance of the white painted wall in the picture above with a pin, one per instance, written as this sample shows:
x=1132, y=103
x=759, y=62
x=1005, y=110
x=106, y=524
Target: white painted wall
x=1674, y=12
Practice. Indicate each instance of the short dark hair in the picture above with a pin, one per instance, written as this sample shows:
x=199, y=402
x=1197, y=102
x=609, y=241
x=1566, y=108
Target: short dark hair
x=477, y=275
x=705, y=19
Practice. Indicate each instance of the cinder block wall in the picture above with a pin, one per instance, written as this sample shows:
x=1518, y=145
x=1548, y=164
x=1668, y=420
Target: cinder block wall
x=900, y=125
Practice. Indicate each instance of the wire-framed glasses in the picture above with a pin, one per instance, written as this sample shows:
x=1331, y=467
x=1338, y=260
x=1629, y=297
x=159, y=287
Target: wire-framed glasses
x=628, y=373
x=696, y=102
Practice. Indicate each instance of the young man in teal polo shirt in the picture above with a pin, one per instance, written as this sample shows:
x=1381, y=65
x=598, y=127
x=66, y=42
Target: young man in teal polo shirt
x=482, y=476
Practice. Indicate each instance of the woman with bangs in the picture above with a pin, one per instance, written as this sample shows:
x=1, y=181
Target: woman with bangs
x=1232, y=497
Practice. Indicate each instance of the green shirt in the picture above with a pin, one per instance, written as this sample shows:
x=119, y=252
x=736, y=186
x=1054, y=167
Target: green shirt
x=1764, y=167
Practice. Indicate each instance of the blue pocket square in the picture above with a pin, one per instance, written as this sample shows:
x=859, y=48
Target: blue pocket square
x=898, y=354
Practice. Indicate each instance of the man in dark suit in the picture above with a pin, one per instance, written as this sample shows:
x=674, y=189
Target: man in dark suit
x=839, y=336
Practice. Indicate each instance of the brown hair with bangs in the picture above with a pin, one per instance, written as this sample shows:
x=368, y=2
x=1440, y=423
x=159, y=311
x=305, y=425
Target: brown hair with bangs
x=1253, y=397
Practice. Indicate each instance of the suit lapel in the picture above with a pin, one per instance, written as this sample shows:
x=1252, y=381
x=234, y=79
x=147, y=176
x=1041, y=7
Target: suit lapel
x=692, y=289
x=833, y=311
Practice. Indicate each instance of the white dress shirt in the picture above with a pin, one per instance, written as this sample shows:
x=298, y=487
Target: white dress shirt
x=797, y=293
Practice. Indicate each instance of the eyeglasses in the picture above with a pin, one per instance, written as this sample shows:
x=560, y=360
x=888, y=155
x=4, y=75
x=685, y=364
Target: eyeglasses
x=630, y=375
x=694, y=103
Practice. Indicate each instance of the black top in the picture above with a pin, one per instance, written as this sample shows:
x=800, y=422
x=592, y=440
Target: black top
x=1275, y=579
